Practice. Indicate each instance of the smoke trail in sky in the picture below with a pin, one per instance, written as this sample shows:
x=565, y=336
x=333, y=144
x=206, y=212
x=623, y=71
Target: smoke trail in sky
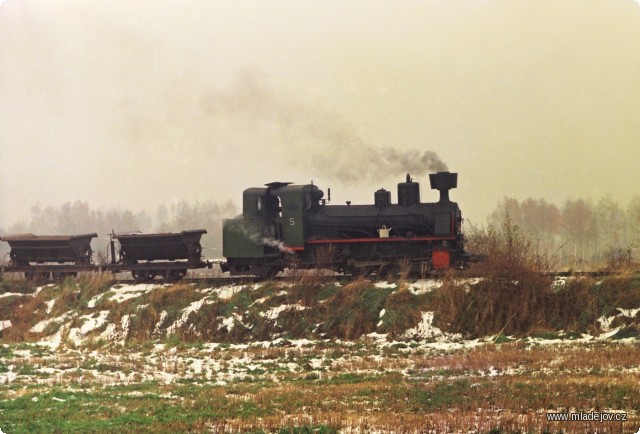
x=315, y=137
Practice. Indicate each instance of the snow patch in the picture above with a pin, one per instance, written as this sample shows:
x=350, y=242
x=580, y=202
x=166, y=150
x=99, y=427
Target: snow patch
x=424, y=286
x=226, y=292
x=39, y=328
x=158, y=327
x=559, y=282
x=50, y=304
x=112, y=333
x=230, y=322
x=630, y=313
x=382, y=312
x=180, y=322
x=426, y=330
x=53, y=341
x=605, y=321
x=273, y=313
x=127, y=292
x=8, y=377
x=378, y=337
x=15, y=294
x=90, y=323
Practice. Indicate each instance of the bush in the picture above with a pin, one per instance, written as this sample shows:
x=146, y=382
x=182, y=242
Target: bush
x=513, y=295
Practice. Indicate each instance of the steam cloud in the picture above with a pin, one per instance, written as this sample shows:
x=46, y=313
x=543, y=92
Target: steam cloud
x=257, y=237
x=315, y=136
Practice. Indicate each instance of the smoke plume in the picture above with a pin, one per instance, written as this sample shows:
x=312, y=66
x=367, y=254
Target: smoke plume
x=314, y=136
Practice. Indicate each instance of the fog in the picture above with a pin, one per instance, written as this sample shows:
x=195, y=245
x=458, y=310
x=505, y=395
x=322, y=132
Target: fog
x=131, y=105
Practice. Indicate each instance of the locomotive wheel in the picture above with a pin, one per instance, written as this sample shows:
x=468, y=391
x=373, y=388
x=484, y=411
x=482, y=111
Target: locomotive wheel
x=271, y=272
x=425, y=269
x=387, y=271
x=265, y=271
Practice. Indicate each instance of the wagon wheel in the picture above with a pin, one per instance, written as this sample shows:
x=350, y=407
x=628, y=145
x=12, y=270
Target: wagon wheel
x=58, y=275
x=174, y=275
x=61, y=275
x=365, y=272
x=142, y=276
x=83, y=260
x=37, y=275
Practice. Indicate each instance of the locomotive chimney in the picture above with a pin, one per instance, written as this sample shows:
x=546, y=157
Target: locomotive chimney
x=443, y=182
x=408, y=192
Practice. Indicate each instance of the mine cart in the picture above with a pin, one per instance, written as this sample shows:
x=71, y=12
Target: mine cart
x=166, y=254
x=38, y=255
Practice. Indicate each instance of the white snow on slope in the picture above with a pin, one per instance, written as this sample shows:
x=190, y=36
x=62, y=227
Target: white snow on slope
x=426, y=330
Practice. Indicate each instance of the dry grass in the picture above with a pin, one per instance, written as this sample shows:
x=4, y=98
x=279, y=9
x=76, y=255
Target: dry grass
x=355, y=311
x=515, y=295
x=25, y=312
x=518, y=355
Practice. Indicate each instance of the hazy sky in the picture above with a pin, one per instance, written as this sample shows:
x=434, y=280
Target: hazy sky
x=137, y=103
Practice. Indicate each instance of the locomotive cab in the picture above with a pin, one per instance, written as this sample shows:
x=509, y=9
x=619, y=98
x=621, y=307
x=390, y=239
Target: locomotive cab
x=271, y=227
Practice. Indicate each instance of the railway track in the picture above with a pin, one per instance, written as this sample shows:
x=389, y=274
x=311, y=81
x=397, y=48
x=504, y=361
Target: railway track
x=213, y=277
x=236, y=280
x=229, y=280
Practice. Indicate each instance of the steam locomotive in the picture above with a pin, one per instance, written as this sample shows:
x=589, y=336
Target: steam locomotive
x=284, y=225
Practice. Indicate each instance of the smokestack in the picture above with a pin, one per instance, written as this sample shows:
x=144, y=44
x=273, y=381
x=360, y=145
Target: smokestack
x=443, y=182
x=408, y=192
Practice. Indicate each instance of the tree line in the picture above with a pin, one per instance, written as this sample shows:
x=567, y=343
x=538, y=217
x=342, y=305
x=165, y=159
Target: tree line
x=580, y=234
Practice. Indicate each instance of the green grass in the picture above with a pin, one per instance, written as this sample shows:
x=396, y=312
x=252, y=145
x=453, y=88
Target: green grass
x=121, y=409
x=439, y=384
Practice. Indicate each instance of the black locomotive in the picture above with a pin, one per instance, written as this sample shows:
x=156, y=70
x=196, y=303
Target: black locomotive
x=285, y=225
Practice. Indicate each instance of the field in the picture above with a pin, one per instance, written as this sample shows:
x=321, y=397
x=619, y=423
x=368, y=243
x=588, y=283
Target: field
x=311, y=356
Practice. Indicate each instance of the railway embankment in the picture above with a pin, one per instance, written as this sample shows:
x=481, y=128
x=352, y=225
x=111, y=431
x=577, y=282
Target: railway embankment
x=93, y=311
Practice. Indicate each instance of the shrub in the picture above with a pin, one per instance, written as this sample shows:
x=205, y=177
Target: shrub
x=514, y=294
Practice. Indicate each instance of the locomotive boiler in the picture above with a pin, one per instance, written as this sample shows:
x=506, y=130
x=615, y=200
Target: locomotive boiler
x=284, y=226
